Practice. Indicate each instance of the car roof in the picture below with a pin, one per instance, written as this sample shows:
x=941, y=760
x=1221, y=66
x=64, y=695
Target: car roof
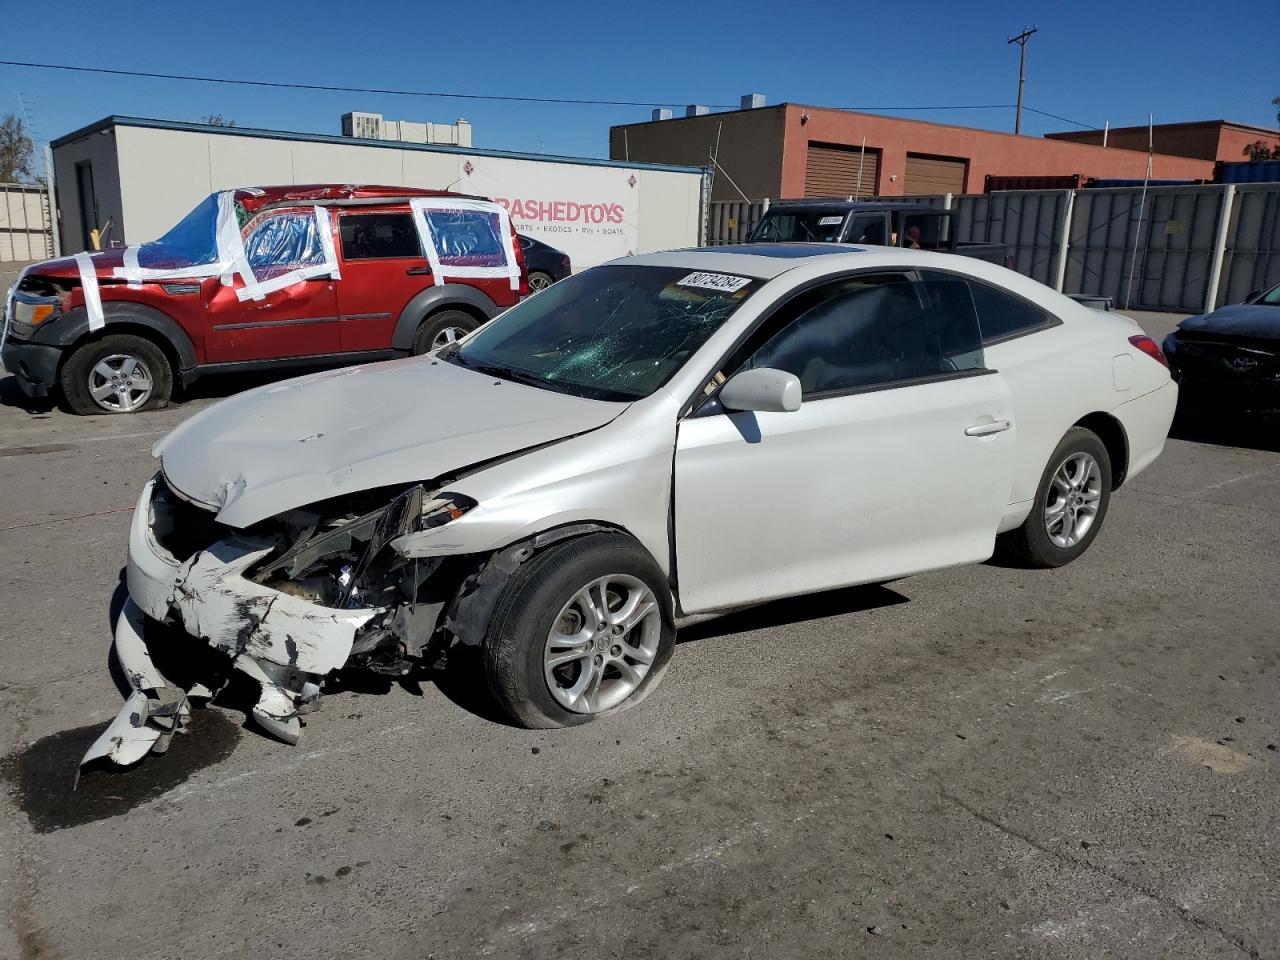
x=255, y=198
x=857, y=206
x=768, y=260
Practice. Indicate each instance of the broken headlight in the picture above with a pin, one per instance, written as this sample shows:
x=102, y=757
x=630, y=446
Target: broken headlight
x=443, y=509
x=340, y=554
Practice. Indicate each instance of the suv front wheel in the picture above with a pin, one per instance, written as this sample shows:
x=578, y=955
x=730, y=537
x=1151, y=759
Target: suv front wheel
x=120, y=373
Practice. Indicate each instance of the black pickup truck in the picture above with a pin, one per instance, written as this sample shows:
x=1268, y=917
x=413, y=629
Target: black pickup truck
x=878, y=222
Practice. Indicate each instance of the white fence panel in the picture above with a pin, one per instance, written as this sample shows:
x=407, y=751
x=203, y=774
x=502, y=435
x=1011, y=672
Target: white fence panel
x=25, y=230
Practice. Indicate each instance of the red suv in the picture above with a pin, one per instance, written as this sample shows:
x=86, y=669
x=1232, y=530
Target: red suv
x=256, y=277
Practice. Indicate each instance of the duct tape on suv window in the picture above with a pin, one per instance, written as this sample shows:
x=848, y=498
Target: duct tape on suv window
x=510, y=268
x=256, y=290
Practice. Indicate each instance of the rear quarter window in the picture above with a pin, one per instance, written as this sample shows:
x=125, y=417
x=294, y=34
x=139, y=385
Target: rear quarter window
x=1002, y=315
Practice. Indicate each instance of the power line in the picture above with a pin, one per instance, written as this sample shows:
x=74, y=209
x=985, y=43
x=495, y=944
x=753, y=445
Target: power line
x=277, y=85
x=336, y=89
x=959, y=106
x=1078, y=123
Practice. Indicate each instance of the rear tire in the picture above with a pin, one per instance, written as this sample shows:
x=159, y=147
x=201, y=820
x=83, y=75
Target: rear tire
x=1070, y=505
x=540, y=280
x=542, y=634
x=119, y=373
x=441, y=329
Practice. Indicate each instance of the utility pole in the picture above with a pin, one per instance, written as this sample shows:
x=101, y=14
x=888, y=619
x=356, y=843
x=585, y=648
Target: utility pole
x=1021, y=40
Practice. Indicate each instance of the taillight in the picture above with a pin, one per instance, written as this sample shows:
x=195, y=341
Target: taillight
x=1150, y=348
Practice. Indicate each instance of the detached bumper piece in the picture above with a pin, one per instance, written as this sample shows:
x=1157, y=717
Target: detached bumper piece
x=283, y=642
x=154, y=710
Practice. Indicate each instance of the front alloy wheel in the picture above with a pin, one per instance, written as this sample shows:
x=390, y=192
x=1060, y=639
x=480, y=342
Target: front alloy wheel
x=583, y=628
x=116, y=373
x=602, y=644
x=120, y=383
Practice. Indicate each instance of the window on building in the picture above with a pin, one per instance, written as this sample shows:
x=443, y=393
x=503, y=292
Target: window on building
x=378, y=236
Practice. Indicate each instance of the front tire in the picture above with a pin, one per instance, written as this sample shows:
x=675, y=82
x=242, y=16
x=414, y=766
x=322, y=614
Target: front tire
x=441, y=329
x=583, y=630
x=120, y=373
x=1070, y=506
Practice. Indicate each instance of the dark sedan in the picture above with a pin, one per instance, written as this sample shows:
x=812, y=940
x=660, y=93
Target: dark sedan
x=1231, y=355
x=546, y=264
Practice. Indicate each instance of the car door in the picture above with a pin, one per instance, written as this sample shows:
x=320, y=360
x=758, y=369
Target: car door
x=298, y=320
x=383, y=268
x=899, y=459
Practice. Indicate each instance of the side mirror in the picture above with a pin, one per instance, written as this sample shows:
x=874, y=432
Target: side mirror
x=763, y=390
x=1253, y=295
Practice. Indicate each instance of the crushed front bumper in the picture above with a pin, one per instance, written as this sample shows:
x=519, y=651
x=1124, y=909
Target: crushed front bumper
x=285, y=643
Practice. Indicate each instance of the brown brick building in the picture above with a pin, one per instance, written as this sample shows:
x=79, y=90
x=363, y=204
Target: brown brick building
x=1203, y=139
x=792, y=150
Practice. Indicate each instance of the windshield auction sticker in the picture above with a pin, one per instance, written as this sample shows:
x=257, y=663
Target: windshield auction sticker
x=714, y=281
x=830, y=221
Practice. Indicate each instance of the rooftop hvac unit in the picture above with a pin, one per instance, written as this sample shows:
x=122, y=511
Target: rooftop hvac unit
x=365, y=126
x=413, y=132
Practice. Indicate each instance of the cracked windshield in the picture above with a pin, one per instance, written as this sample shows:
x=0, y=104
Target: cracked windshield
x=612, y=333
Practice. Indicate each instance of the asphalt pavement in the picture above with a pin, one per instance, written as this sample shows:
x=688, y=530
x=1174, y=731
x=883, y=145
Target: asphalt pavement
x=982, y=762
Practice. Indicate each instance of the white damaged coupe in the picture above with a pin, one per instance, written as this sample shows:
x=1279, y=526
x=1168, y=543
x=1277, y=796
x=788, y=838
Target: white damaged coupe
x=655, y=440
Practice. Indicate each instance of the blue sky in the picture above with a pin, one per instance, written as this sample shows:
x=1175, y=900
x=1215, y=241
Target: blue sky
x=1091, y=61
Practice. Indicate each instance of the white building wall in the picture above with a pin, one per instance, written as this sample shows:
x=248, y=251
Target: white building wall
x=592, y=212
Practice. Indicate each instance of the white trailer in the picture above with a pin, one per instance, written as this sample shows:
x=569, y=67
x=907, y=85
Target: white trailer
x=132, y=179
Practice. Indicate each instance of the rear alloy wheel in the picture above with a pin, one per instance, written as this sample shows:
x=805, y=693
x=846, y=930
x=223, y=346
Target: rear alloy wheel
x=582, y=630
x=539, y=281
x=1071, y=503
x=441, y=329
x=117, y=374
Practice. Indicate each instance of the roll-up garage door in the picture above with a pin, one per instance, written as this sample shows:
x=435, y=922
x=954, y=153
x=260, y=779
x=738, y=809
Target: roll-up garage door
x=832, y=171
x=933, y=175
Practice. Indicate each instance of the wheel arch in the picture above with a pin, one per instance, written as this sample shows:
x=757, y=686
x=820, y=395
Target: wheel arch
x=445, y=296
x=131, y=318
x=468, y=612
x=1112, y=434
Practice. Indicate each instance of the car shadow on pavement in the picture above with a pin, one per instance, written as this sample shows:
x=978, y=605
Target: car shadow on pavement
x=1227, y=427
x=11, y=395
x=794, y=610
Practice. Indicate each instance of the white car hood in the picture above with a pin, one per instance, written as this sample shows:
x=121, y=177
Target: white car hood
x=290, y=444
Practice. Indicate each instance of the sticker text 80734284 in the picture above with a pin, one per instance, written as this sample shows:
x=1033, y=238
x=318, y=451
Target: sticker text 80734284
x=714, y=281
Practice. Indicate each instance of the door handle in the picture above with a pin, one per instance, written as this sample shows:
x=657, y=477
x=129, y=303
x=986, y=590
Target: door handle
x=419, y=271
x=988, y=428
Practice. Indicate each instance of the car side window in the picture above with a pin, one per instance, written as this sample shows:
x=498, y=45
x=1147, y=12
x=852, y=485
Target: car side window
x=1002, y=315
x=867, y=229
x=862, y=335
x=282, y=242
x=378, y=236
x=466, y=238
